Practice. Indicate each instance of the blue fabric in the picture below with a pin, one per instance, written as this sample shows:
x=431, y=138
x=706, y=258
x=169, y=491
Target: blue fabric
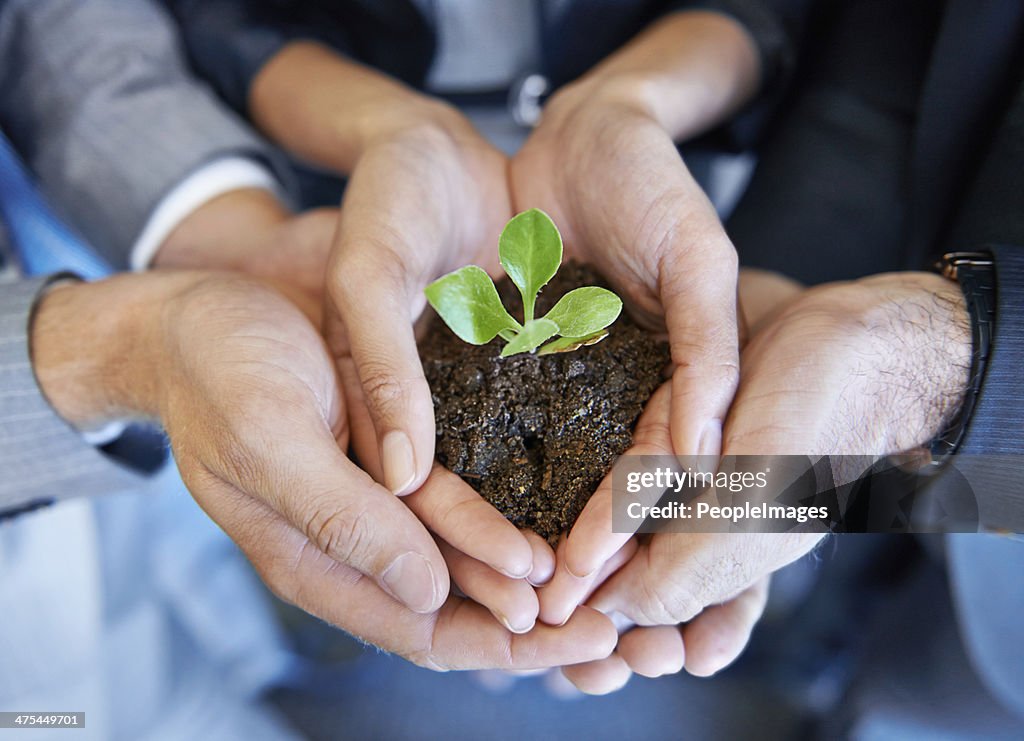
x=41, y=243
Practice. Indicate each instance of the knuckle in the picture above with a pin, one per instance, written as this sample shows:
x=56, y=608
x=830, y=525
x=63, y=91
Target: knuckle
x=521, y=654
x=344, y=534
x=692, y=360
x=423, y=653
x=659, y=608
x=380, y=384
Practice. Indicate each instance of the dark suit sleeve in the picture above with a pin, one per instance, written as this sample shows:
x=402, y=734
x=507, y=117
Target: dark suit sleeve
x=229, y=41
x=997, y=424
x=991, y=217
x=990, y=456
x=777, y=29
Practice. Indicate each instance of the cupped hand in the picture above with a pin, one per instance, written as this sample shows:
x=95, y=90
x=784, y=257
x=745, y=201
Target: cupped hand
x=827, y=373
x=612, y=179
x=610, y=176
x=249, y=398
x=422, y=201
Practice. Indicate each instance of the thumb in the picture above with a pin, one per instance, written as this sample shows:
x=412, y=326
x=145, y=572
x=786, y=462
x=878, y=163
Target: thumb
x=699, y=297
x=369, y=321
x=305, y=477
x=361, y=524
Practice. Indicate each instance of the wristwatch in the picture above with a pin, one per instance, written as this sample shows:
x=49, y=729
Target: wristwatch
x=975, y=271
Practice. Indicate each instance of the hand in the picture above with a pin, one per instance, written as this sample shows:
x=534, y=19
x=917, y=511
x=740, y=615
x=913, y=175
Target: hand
x=420, y=203
x=247, y=392
x=603, y=163
x=829, y=373
x=651, y=646
x=426, y=194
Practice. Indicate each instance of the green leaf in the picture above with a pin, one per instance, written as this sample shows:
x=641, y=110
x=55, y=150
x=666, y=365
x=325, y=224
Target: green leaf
x=468, y=302
x=531, y=250
x=533, y=334
x=569, y=344
x=582, y=312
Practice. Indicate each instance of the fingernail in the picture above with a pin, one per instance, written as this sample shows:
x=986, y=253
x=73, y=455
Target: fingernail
x=399, y=462
x=562, y=616
x=410, y=580
x=574, y=575
x=711, y=439
x=517, y=575
x=540, y=577
x=508, y=624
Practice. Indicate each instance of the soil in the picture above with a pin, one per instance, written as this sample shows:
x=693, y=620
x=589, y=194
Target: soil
x=536, y=434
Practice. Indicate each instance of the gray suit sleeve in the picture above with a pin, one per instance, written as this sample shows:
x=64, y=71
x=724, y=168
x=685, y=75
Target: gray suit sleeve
x=42, y=458
x=98, y=98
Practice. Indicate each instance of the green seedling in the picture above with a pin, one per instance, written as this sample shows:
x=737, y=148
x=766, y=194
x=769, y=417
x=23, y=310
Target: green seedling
x=530, y=249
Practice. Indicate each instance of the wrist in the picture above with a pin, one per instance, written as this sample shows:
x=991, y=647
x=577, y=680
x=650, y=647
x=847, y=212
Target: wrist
x=410, y=116
x=926, y=329
x=229, y=232
x=96, y=347
x=632, y=92
x=330, y=110
x=687, y=72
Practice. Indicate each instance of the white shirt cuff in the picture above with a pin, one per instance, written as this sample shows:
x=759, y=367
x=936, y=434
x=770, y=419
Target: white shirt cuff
x=202, y=186
x=108, y=433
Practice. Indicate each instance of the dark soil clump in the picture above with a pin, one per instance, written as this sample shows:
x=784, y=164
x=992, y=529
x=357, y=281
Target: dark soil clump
x=536, y=434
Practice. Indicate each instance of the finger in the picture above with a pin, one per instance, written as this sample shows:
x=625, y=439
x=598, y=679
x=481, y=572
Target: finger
x=460, y=635
x=592, y=541
x=543, y=559
x=512, y=601
x=369, y=318
x=716, y=637
x=303, y=475
x=559, y=686
x=446, y=504
x=698, y=292
x=468, y=637
x=566, y=591
x=629, y=593
x=654, y=651
x=462, y=518
x=613, y=564
x=599, y=677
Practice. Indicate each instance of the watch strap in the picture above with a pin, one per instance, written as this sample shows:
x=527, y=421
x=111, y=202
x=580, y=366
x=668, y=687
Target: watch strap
x=975, y=272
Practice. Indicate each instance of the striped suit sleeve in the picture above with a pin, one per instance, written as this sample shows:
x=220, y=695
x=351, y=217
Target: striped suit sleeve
x=42, y=458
